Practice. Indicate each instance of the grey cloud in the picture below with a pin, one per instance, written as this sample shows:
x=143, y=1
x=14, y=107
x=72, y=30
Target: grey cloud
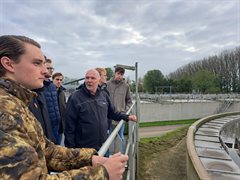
x=159, y=34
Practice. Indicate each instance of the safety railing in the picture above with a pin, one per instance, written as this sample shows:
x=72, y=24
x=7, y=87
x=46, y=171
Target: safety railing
x=131, y=145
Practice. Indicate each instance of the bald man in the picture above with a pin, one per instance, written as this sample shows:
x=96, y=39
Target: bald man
x=88, y=112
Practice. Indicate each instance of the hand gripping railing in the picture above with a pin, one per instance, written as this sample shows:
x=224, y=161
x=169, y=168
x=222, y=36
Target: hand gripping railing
x=110, y=139
x=130, y=147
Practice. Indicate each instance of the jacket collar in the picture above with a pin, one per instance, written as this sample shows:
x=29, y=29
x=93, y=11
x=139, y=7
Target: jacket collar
x=103, y=86
x=116, y=82
x=62, y=88
x=47, y=82
x=17, y=90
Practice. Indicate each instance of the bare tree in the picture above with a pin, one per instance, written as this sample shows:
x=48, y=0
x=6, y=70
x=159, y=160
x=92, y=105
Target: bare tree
x=225, y=66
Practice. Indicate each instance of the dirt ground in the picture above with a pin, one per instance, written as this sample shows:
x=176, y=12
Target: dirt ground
x=164, y=158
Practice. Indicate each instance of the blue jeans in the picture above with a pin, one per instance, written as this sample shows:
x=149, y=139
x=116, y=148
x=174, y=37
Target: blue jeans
x=120, y=135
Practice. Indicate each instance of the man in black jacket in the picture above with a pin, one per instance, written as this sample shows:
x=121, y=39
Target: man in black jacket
x=61, y=97
x=39, y=109
x=87, y=114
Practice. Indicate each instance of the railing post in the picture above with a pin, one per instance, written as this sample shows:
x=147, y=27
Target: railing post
x=130, y=152
x=137, y=124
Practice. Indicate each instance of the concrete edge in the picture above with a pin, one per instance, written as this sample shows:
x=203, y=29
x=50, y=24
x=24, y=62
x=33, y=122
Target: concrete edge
x=197, y=169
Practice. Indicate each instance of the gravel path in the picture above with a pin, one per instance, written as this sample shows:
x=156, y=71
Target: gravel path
x=155, y=131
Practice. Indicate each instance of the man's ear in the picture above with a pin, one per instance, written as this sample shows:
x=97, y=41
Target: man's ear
x=7, y=63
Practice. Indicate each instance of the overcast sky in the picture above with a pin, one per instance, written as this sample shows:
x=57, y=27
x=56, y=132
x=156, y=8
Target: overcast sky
x=158, y=34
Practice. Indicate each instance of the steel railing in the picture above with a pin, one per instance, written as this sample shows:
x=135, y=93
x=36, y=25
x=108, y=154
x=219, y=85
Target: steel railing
x=131, y=146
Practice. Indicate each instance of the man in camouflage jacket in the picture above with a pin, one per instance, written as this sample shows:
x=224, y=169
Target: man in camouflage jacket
x=25, y=153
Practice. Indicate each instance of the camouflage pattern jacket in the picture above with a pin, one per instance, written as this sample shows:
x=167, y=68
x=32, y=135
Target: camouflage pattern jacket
x=25, y=153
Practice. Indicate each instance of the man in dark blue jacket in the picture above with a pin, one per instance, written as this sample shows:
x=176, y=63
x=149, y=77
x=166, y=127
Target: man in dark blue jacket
x=88, y=112
x=50, y=93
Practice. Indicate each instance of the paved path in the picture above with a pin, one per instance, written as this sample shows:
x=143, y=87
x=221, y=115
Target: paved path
x=157, y=130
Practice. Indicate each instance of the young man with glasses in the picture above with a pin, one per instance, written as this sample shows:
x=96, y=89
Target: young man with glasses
x=50, y=93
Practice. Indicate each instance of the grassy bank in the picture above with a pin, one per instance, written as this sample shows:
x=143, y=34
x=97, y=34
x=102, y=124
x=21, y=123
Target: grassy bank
x=164, y=123
x=163, y=157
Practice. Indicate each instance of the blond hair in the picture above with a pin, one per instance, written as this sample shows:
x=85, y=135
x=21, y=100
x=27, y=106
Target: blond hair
x=101, y=70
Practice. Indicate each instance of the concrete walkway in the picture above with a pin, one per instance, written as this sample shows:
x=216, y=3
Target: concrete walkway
x=156, y=131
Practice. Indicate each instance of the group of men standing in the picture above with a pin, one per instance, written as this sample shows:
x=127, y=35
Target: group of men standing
x=90, y=114
x=50, y=104
x=26, y=151
x=91, y=109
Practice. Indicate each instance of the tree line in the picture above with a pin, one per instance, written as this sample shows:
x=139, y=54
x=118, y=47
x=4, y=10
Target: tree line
x=214, y=74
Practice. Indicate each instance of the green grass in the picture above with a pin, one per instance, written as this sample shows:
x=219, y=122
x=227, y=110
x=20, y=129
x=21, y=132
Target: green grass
x=164, y=123
x=164, y=156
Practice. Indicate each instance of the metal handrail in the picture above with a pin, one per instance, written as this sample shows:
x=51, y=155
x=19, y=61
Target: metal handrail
x=110, y=139
x=131, y=147
x=70, y=82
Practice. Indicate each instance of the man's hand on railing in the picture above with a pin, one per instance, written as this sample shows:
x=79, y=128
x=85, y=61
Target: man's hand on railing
x=115, y=165
x=132, y=118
